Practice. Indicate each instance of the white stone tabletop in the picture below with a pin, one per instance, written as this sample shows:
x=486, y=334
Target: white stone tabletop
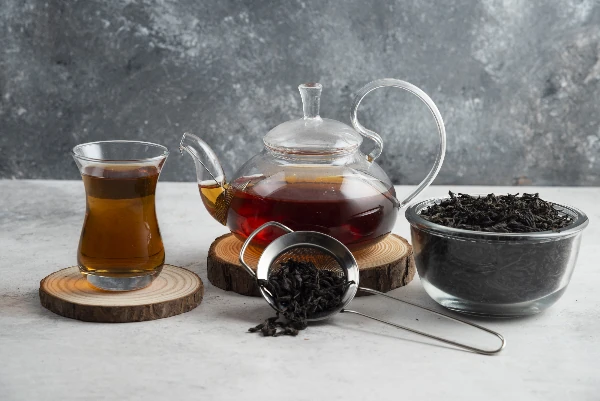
x=206, y=354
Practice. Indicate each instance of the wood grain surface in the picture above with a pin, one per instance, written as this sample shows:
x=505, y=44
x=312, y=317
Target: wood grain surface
x=384, y=266
x=67, y=293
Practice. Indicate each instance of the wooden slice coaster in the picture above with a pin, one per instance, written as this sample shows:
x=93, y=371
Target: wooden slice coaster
x=384, y=266
x=67, y=293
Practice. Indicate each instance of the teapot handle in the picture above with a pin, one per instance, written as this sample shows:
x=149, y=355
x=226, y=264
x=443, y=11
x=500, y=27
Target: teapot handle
x=376, y=152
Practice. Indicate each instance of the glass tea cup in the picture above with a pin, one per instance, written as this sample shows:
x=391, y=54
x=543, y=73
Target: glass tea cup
x=120, y=247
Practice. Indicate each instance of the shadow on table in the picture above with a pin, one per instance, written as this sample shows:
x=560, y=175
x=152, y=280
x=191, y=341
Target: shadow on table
x=25, y=305
x=254, y=313
x=399, y=336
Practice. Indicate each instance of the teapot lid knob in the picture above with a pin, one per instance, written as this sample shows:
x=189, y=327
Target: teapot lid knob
x=311, y=99
x=312, y=135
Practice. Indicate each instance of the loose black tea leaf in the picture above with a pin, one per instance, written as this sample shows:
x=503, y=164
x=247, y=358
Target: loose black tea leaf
x=497, y=213
x=494, y=271
x=300, y=290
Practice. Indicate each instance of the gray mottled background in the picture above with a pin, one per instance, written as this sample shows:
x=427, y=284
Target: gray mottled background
x=517, y=81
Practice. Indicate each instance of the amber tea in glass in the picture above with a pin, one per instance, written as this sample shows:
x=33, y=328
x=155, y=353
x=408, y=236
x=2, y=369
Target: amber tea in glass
x=120, y=247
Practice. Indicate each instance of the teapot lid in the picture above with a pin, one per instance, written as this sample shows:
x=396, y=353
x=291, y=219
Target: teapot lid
x=312, y=135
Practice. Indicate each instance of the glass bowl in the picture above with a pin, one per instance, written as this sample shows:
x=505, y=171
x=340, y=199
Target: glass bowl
x=494, y=274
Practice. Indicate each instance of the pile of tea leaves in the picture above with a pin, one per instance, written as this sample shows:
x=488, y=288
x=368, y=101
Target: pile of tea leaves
x=300, y=290
x=497, y=213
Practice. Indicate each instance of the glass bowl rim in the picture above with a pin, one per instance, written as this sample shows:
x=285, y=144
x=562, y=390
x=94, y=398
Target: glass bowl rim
x=580, y=221
x=146, y=159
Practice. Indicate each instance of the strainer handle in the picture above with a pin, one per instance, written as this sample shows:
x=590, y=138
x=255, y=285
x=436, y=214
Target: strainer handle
x=251, y=236
x=444, y=340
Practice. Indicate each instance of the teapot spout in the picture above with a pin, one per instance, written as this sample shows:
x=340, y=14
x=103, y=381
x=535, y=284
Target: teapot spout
x=213, y=187
x=208, y=167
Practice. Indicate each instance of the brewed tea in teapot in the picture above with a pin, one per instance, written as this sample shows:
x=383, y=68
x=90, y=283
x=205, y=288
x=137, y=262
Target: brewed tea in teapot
x=311, y=176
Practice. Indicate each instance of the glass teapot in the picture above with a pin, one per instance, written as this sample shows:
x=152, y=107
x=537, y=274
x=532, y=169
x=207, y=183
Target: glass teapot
x=312, y=176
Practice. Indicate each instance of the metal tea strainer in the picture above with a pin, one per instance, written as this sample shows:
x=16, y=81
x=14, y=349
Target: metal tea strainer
x=326, y=252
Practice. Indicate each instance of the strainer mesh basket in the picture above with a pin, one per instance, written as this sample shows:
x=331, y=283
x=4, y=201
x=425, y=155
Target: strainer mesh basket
x=321, y=259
